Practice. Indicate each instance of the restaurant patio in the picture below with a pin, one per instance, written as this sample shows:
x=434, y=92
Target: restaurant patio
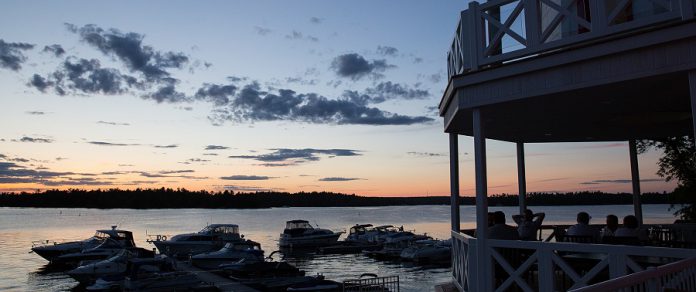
x=545, y=71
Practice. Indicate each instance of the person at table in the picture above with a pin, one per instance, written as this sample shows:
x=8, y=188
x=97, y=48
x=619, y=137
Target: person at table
x=630, y=229
x=610, y=229
x=528, y=224
x=583, y=227
x=500, y=230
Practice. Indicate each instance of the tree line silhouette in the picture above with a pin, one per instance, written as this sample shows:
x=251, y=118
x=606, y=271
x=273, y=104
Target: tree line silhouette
x=167, y=198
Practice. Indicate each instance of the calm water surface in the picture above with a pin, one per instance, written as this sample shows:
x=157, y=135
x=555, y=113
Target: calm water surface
x=22, y=271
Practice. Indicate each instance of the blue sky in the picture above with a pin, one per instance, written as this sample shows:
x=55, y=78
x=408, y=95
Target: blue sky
x=252, y=95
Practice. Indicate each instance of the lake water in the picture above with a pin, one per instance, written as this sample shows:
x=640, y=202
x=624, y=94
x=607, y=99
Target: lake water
x=22, y=271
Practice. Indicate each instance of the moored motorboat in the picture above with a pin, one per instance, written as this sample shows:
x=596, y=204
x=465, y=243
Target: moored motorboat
x=428, y=251
x=230, y=253
x=394, y=244
x=118, y=265
x=111, y=246
x=299, y=233
x=211, y=238
x=51, y=250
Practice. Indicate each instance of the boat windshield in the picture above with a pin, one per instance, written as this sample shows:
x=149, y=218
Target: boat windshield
x=100, y=235
x=221, y=229
x=298, y=225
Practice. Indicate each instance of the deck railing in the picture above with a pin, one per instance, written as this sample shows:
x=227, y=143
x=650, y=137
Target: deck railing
x=500, y=31
x=678, y=276
x=549, y=266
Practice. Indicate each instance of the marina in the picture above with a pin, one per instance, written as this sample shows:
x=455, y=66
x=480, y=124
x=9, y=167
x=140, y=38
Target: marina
x=29, y=272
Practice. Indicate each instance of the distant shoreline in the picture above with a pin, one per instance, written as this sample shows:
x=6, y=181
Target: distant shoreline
x=184, y=199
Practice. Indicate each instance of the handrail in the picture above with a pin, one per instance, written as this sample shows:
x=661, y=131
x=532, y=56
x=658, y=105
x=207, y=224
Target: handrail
x=483, y=29
x=640, y=277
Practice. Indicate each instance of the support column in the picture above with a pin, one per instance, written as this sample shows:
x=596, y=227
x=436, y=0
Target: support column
x=484, y=261
x=692, y=89
x=454, y=180
x=521, y=178
x=635, y=179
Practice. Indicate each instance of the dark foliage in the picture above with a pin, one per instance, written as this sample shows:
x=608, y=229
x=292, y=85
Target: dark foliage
x=182, y=198
x=678, y=162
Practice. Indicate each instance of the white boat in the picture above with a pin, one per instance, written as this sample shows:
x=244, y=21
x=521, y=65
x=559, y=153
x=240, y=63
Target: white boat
x=211, y=238
x=361, y=233
x=428, y=251
x=50, y=250
x=299, y=233
x=381, y=233
x=232, y=252
x=120, y=239
x=394, y=244
x=114, y=265
x=118, y=265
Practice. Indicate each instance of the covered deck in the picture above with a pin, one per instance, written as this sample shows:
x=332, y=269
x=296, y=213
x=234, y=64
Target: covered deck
x=540, y=71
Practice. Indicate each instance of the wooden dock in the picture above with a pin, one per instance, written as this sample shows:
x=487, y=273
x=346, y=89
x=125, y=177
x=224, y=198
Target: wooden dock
x=222, y=283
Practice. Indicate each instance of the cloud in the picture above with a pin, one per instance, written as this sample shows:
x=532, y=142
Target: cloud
x=316, y=20
x=386, y=91
x=77, y=76
x=198, y=160
x=387, y=51
x=619, y=181
x=219, y=95
x=102, y=143
x=113, y=123
x=339, y=179
x=170, y=174
x=128, y=48
x=295, y=156
x=417, y=60
x=262, y=30
x=296, y=35
x=216, y=147
x=35, y=140
x=13, y=173
x=355, y=67
x=86, y=181
x=248, y=188
x=11, y=56
x=246, y=177
x=254, y=104
x=425, y=154
x=36, y=113
x=56, y=50
x=167, y=146
x=210, y=154
x=176, y=171
x=167, y=93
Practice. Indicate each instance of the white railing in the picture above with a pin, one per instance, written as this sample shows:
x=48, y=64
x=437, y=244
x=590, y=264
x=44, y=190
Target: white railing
x=464, y=261
x=498, y=31
x=678, y=276
x=549, y=266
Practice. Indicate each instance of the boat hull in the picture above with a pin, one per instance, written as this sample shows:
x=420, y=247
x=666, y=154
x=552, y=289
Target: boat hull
x=308, y=241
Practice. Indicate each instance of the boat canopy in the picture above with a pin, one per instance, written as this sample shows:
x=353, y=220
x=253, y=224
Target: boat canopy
x=298, y=224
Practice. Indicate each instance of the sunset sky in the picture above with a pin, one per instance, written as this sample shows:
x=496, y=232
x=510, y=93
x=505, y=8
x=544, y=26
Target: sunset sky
x=253, y=95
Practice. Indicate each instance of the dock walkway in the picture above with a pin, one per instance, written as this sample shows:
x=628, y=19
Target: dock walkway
x=222, y=283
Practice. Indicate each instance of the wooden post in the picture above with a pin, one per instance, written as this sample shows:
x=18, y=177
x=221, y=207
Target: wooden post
x=454, y=180
x=521, y=178
x=484, y=261
x=692, y=89
x=635, y=179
